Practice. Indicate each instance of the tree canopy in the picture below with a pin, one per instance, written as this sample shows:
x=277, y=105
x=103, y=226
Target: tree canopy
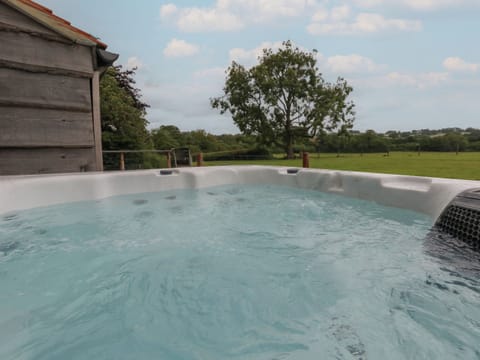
x=124, y=124
x=285, y=98
x=123, y=113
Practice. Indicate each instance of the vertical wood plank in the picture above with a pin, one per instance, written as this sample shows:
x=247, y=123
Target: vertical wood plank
x=97, y=121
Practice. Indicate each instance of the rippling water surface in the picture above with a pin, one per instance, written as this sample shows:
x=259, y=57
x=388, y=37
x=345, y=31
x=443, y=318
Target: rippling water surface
x=256, y=272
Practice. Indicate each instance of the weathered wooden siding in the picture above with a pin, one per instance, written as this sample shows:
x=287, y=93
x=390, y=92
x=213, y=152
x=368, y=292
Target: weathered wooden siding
x=46, y=110
x=43, y=90
x=97, y=120
x=13, y=19
x=45, y=161
x=46, y=55
x=53, y=128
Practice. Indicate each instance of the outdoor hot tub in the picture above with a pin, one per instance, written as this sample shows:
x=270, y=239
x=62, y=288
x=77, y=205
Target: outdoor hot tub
x=246, y=262
x=425, y=195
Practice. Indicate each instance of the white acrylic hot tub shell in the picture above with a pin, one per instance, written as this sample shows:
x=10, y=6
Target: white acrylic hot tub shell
x=426, y=195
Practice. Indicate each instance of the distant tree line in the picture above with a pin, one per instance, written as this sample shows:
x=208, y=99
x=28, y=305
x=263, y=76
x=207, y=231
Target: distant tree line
x=449, y=140
x=170, y=136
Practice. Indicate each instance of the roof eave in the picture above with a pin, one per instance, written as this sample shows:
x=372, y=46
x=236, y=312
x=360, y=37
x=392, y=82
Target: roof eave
x=41, y=16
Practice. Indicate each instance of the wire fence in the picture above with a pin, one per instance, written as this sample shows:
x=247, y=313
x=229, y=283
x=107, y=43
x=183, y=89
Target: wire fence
x=136, y=159
x=154, y=159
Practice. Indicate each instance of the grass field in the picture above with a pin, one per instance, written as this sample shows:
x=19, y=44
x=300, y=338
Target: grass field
x=434, y=164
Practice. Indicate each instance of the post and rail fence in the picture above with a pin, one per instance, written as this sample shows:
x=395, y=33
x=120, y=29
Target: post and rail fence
x=163, y=159
x=155, y=158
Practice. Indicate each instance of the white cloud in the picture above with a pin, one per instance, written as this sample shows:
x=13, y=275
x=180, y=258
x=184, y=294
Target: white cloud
x=338, y=64
x=368, y=3
x=361, y=24
x=376, y=22
x=168, y=10
x=320, y=15
x=250, y=57
x=134, y=62
x=421, y=81
x=180, y=48
x=197, y=20
x=421, y=5
x=429, y=5
x=340, y=13
x=457, y=64
x=342, y=64
x=229, y=15
x=262, y=10
x=397, y=78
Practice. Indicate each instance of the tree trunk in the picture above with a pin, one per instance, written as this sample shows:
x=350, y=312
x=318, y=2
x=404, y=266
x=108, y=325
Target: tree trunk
x=290, y=150
x=290, y=153
x=289, y=137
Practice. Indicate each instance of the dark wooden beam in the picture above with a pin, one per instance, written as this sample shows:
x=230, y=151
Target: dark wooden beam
x=73, y=107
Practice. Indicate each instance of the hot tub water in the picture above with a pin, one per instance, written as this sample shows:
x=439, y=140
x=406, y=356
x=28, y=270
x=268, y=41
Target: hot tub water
x=246, y=272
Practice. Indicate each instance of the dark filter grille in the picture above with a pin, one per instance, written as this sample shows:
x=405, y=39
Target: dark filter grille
x=461, y=218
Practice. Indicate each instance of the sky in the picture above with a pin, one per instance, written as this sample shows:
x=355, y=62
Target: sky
x=413, y=64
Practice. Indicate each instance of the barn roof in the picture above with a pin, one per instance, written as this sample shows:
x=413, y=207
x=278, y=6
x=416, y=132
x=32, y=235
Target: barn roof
x=47, y=18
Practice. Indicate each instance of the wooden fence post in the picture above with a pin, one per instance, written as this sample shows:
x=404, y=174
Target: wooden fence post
x=306, y=160
x=122, y=161
x=169, y=160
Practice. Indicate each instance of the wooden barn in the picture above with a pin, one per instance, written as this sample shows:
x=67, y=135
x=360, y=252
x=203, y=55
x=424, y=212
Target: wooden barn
x=49, y=92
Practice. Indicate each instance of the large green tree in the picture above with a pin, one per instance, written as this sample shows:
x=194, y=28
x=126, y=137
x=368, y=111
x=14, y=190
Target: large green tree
x=124, y=125
x=285, y=98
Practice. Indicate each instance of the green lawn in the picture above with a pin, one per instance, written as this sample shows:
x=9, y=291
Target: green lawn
x=434, y=164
